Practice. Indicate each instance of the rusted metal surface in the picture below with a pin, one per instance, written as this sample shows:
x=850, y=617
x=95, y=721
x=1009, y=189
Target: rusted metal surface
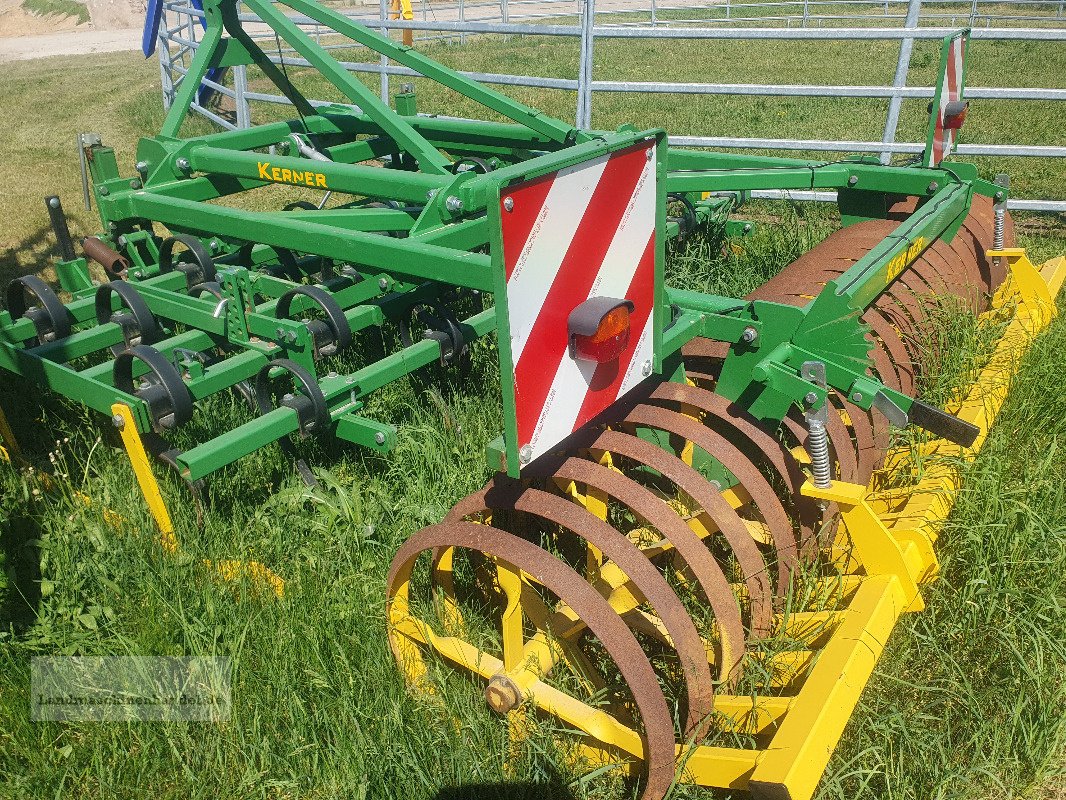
x=764, y=498
x=586, y=602
x=505, y=494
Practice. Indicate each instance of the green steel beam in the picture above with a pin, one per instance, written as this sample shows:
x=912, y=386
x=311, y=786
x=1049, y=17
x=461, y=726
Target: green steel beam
x=554, y=129
x=429, y=158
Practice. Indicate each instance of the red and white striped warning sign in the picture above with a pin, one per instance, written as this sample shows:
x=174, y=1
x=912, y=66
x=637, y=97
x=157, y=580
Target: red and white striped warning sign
x=584, y=231
x=950, y=92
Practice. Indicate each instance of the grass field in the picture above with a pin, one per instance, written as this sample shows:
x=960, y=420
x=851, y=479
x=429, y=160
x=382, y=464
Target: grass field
x=968, y=701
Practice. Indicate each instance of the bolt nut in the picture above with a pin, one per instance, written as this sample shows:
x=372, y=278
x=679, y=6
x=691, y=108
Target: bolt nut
x=141, y=166
x=453, y=204
x=645, y=369
x=933, y=186
x=379, y=437
x=747, y=227
x=53, y=202
x=216, y=245
x=182, y=164
x=121, y=241
x=508, y=204
x=525, y=454
x=858, y=397
x=138, y=274
x=383, y=284
x=105, y=191
x=852, y=180
x=810, y=398
x=135, y=184
x=431, y=194
x=749, y=335
x=118, y=421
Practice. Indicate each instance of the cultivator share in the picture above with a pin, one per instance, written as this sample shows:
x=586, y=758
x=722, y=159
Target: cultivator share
x=697, y=541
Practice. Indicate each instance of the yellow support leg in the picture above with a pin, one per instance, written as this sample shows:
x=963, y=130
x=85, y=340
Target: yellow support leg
x=10, y=449
x=131, y=438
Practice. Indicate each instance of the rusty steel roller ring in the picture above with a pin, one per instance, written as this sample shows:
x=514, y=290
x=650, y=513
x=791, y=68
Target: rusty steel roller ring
x=49, y=316
x=329, y=336
x=169, y=401
x=505, y=495
x=310, y=405
x=655, y=745
x=139, y=325
x=200, y=270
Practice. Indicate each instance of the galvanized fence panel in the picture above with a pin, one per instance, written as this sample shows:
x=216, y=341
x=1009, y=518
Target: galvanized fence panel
x=906, y=21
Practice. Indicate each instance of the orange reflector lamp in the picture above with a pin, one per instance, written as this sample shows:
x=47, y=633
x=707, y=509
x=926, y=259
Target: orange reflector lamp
x=599, y=329
x=955, y=114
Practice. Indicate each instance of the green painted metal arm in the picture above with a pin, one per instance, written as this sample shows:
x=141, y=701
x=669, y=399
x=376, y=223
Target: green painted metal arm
x=190, y=84
x=556, y=130
x=429, y=158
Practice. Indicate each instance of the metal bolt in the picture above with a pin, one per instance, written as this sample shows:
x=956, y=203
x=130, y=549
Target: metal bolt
x=118, y=421
x=749, y=335
x=121, y=241
x=525, y=454
x=215, y=245
x=431, y=194
x=645, y=369
x=104, y=190
x=53, y=202
x=383, y=284
x=508, y=204
x=280, y=332
x=379, y=437
x=331, y=374
x=135, y=184
x=716, y=485
x=453, y=204
x=852, y=180
x=138, y=274
x=933, y=186
x=747, y=227
x=858, y=397
x=183, y=164
x=810, y=398
x=287, y=397
x=141, y=166
x=649, y=153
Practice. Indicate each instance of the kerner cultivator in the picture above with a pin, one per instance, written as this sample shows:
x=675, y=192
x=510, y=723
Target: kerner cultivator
x=697, y=540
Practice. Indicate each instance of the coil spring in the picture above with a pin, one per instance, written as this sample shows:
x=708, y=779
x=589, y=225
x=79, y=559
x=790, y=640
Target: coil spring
x=818, y=447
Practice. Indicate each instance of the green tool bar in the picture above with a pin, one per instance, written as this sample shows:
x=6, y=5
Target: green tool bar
x=830, y=177
x=356, y=219
x=873, y=273
x=477, y=192
x=420, y=261
x=554, y=129
x=70, y=383
x=79, y=344
x=202, y=460
x=231, y=370
x=189, y=340
x=341, y=391
x=351, y=178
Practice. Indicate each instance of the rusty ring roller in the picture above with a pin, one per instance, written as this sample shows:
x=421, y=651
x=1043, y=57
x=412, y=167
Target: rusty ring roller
x=504, y=494
x=586, y=602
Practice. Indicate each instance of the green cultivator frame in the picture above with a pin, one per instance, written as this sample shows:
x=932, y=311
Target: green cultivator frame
x=708, y=456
